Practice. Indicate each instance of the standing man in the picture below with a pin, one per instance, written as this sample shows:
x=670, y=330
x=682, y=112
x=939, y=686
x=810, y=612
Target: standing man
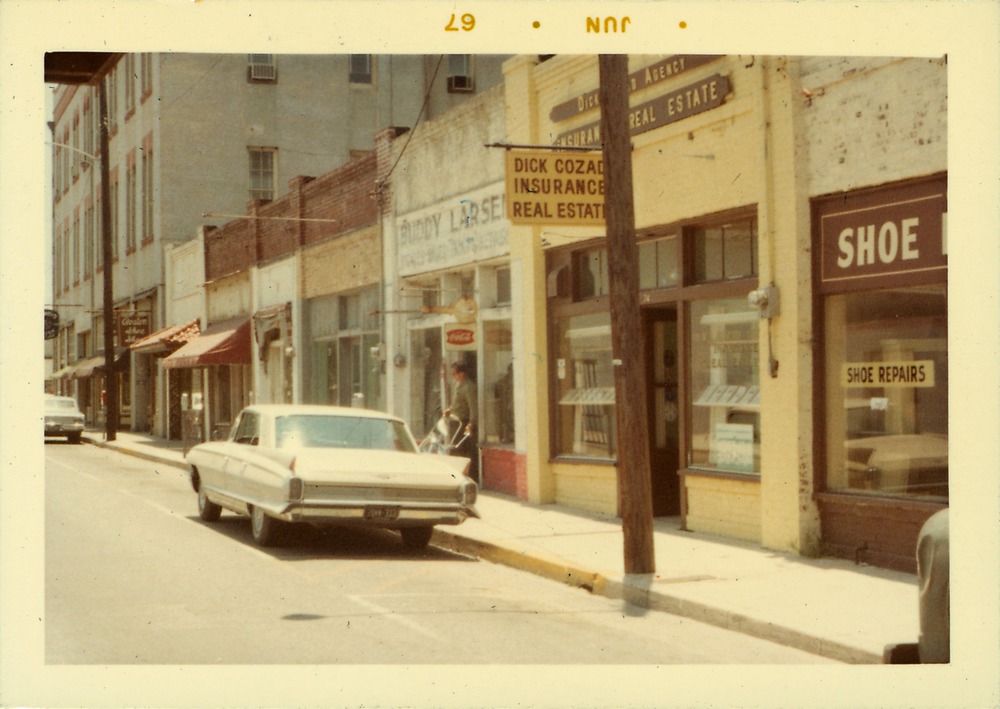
x=464, y=405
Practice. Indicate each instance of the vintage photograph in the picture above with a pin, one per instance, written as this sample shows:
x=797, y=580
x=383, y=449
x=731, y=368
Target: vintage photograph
x=639, y=358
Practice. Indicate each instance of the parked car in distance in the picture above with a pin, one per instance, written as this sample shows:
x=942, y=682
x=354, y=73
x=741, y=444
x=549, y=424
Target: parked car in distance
x=63, y=418
x=327, y=465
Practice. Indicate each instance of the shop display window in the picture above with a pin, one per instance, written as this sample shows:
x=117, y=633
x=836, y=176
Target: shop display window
x=585, y=416
x=426, y=380
x=497, y=392
x=724, y=378
x=887, y=392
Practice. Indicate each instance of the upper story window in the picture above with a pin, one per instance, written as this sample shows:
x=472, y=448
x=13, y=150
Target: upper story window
x=261, y=68
x=146, y=74
x=129, y=84
x=89, y=129
x=112, y=86
x=360, y=71
x=460, y=78
x=262, y=173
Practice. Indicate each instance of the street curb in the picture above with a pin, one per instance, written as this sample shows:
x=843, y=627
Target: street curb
x=632, y=591
x=136, y=454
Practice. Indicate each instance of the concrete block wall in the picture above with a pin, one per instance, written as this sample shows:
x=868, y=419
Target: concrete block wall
x=347, y=263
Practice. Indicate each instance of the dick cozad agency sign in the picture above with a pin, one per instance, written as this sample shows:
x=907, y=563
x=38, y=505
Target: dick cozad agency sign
x=552, y=187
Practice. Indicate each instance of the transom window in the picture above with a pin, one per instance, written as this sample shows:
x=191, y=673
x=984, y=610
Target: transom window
x=725, y=252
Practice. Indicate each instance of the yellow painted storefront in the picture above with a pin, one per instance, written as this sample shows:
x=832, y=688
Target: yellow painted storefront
x=738, y=156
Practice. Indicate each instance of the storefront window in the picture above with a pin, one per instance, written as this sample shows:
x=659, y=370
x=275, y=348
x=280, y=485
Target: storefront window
x=585, y=417
x=497, y=392
x=345, y=332
x=887, y=392
x=426, y=380
x=725, y=378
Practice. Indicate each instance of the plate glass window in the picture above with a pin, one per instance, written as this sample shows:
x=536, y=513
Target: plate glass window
x=887, y=392
x=725, y=382
x=585, y=415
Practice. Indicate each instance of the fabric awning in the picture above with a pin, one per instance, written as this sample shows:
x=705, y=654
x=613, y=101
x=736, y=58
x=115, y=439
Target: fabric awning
x=167, y=339
x=63, y=372
x=95, y=365
x=226, y=342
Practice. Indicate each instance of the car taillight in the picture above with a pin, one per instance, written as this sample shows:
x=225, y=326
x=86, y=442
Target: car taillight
x=467, y=493
x=295, y=488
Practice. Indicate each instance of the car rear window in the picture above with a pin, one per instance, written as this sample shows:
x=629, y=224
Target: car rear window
x=316, y=431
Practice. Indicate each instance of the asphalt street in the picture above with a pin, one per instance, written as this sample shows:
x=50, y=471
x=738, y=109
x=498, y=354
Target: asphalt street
x=133, y=576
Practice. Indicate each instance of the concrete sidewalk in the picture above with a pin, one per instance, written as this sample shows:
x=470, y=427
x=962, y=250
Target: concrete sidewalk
x=828, y=607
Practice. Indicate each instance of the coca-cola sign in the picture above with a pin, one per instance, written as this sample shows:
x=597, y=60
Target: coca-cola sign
x=460, y=336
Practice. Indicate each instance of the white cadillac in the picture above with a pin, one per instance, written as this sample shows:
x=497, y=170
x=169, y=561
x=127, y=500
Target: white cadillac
x=329, y=465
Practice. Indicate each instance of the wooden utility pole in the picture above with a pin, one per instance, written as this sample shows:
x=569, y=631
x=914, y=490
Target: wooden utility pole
x=634, y=486
x=110, y=375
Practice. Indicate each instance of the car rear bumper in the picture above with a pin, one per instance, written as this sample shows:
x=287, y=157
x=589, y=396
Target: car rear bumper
x=63, y=429
x=377, y=514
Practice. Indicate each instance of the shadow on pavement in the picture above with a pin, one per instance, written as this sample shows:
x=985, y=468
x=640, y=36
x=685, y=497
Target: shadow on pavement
x=306, y=542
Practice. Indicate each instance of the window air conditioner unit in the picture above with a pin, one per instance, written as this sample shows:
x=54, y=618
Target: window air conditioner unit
x=460, y=84
x=264, y=72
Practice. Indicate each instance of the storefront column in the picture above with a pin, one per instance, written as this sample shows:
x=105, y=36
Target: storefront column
x=789, y=518
x=529, y=333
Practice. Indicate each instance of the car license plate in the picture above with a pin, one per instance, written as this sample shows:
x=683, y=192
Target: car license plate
x=381, y=513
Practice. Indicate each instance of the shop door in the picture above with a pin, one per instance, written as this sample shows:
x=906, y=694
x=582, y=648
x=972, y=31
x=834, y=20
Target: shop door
x=664, y=411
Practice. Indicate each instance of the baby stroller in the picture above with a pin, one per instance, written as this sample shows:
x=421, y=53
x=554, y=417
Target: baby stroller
x=446, y=435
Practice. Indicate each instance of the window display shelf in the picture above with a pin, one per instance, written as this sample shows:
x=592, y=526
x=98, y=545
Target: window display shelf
x=730, y=396
x=591, y=396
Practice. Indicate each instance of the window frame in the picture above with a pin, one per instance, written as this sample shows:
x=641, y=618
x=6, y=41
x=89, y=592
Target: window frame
x=257, y=193
x=823, y=292
x=566, y=299
x=360, y=78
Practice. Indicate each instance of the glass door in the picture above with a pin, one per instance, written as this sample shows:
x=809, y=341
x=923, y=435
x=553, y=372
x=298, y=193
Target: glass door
x=664, y=411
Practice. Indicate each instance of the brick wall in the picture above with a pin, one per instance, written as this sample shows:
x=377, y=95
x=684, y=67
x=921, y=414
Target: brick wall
x=276, y=229
x=343, y=195
x=873, y=120
x=229, y=249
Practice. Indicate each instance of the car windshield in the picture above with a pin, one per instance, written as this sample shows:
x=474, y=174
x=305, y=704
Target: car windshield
x=318, y=431
x=61, y=404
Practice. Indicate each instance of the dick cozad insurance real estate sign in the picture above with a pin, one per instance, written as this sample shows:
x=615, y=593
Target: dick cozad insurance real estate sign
x=552, y=187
